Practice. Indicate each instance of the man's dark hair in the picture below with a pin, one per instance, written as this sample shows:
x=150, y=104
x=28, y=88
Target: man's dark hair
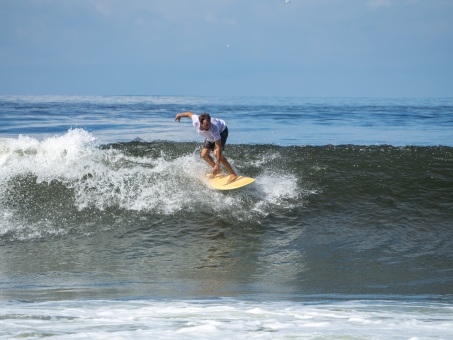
x=203, y=117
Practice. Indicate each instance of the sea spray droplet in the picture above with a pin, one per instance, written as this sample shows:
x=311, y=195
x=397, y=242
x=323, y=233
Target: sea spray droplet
x=276, y=190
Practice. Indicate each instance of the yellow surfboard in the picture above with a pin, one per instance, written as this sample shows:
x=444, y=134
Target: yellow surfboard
x=219, y=182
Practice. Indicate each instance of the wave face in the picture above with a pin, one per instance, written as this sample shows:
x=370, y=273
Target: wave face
x=71, y=178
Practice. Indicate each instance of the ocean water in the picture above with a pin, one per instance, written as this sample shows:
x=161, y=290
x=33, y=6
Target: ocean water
x=108, y=229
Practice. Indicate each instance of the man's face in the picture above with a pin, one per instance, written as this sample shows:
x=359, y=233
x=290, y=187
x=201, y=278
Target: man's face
x=205, y=126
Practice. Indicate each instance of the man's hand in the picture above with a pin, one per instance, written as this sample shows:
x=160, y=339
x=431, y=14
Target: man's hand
x=217, y=169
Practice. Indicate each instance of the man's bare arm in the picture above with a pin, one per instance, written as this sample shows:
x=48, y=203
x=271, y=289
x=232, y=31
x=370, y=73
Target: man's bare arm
x=183, y=114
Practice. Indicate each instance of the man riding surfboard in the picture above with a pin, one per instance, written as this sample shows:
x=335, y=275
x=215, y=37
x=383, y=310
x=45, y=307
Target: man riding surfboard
x=215, y=132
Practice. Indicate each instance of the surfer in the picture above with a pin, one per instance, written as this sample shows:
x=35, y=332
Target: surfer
x=215, y=132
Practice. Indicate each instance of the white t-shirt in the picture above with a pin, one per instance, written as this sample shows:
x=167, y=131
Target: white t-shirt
x=213, y=134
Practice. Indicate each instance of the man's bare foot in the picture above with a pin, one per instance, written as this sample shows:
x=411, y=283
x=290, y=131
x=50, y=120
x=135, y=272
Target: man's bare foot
x=214, y=174
x=232, y=178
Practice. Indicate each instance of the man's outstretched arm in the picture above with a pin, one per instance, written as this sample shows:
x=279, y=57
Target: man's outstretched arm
x=183, y=114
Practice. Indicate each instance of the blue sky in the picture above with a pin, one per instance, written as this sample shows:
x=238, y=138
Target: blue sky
x=335, y=48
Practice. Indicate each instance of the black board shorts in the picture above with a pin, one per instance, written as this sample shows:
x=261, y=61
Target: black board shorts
x=223, y=138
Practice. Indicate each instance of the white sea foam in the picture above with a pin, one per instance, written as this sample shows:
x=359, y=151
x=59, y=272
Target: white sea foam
x=227, y=318
x=48, y=159
x=278, y=187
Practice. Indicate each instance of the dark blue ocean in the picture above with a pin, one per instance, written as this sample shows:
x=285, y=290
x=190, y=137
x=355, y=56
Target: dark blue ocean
x=108, y=228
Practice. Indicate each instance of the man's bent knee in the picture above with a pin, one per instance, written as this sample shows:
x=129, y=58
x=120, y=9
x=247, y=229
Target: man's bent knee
x=205, y=153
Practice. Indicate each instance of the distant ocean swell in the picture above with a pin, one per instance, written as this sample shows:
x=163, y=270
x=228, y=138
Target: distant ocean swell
x=280, y=121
